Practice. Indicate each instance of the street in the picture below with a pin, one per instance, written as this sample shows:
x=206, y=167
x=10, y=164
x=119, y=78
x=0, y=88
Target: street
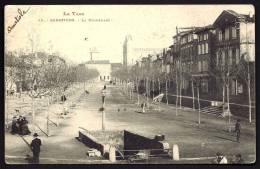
x=194, y=141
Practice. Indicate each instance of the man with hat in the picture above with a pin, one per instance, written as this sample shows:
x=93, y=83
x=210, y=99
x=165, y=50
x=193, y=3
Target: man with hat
x=35, y=147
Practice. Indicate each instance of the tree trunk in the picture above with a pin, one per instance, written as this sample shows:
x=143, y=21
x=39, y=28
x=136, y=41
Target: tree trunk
x=166, y=92
x=223, y=97
x=177, y=92
x=180, y=90
x=137, y=90
x=198, y=95
x=249, y=94
x=153, y=88
x=229, y=114
x=147, y=89
x=159, y=86
x=193, y=98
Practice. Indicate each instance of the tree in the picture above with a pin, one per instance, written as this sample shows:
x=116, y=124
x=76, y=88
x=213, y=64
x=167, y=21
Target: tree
x=246, y=72
x=224, y=70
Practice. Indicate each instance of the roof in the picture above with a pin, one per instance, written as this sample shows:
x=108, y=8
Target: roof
x=205, y=28
x=116, y=64
x=235, y=14
x=98, y=62
x=230, y=13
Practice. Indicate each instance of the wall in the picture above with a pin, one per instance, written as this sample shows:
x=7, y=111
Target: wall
x=90, y=142
x=133, y=141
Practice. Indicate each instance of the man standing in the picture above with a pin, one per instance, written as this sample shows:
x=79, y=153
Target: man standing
x=238, y=129
x=35, y=147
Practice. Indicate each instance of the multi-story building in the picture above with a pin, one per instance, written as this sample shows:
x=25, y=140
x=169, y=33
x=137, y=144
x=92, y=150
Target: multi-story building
x=204, y=61
x=187, y=58
x=235, y=40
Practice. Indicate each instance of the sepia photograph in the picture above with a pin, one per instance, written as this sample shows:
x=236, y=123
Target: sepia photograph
x=129, y=84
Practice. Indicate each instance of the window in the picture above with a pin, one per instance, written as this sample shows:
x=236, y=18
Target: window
x=223, y=57
x=204, y=86
x=217, y=58
x=205, y=65
x=199, y=49
x=108, y=77
x=104, y=77
x=100, y=77
x=206, y=48
x=233, y=87
x=199, y=66
x=234, y=56
x=237, y=56
x=227, y=34
x=202, y=48
x=220, y=35
x=205, y=36
x=236, y=87
x=168, y=69
x=230, y=56
x=171, y=59
x=239, y=88
x=234, y=33
x=189, y=38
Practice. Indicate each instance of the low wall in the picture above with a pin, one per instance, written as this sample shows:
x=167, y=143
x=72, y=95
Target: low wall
x=90, y=141
x=133, y=141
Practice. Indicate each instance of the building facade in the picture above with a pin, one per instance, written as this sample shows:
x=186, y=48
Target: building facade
x=235, y=41
x=205, y=60
x=103, y=67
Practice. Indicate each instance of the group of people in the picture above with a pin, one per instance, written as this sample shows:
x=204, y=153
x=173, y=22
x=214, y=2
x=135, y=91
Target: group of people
x=20, y=126
x=221, y=159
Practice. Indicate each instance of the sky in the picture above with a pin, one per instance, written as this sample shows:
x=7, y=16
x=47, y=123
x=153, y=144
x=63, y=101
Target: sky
x=150, y=26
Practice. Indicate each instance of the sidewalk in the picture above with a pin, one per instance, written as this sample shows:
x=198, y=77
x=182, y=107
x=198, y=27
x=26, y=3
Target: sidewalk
x=60, y=147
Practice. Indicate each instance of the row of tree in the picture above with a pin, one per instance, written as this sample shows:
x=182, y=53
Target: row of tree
x=150, y=76
x=43, y=73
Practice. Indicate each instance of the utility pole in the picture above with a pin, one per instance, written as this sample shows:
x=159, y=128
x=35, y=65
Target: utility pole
x=103, y=107
x=248, y=77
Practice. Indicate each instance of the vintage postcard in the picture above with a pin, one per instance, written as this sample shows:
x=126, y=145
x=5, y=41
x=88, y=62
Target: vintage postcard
x=128, y=84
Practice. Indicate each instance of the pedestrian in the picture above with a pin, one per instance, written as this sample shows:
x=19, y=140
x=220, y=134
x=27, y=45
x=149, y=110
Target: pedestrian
x=238, y=130
x=238, y=159
x=220, y=159
x=15, y=126
x=143, y=105
x=35, y=147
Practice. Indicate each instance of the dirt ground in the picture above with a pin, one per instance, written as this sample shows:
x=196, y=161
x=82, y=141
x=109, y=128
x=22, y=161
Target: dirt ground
x=194, y=140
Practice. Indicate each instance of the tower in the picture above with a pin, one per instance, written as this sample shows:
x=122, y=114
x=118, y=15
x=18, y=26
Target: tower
x=126, y=50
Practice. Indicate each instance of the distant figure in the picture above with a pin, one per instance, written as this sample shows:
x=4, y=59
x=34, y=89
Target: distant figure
x=237, y=130
x=24, y=127
x=143, y=105
x=238, y=159
x=103, y=92
x=63, y=98
x=15, y=126
x=118, y=110
x=35, y=147
x=220, y=159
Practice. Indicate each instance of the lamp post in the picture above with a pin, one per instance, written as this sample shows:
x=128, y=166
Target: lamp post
x=103, y=107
